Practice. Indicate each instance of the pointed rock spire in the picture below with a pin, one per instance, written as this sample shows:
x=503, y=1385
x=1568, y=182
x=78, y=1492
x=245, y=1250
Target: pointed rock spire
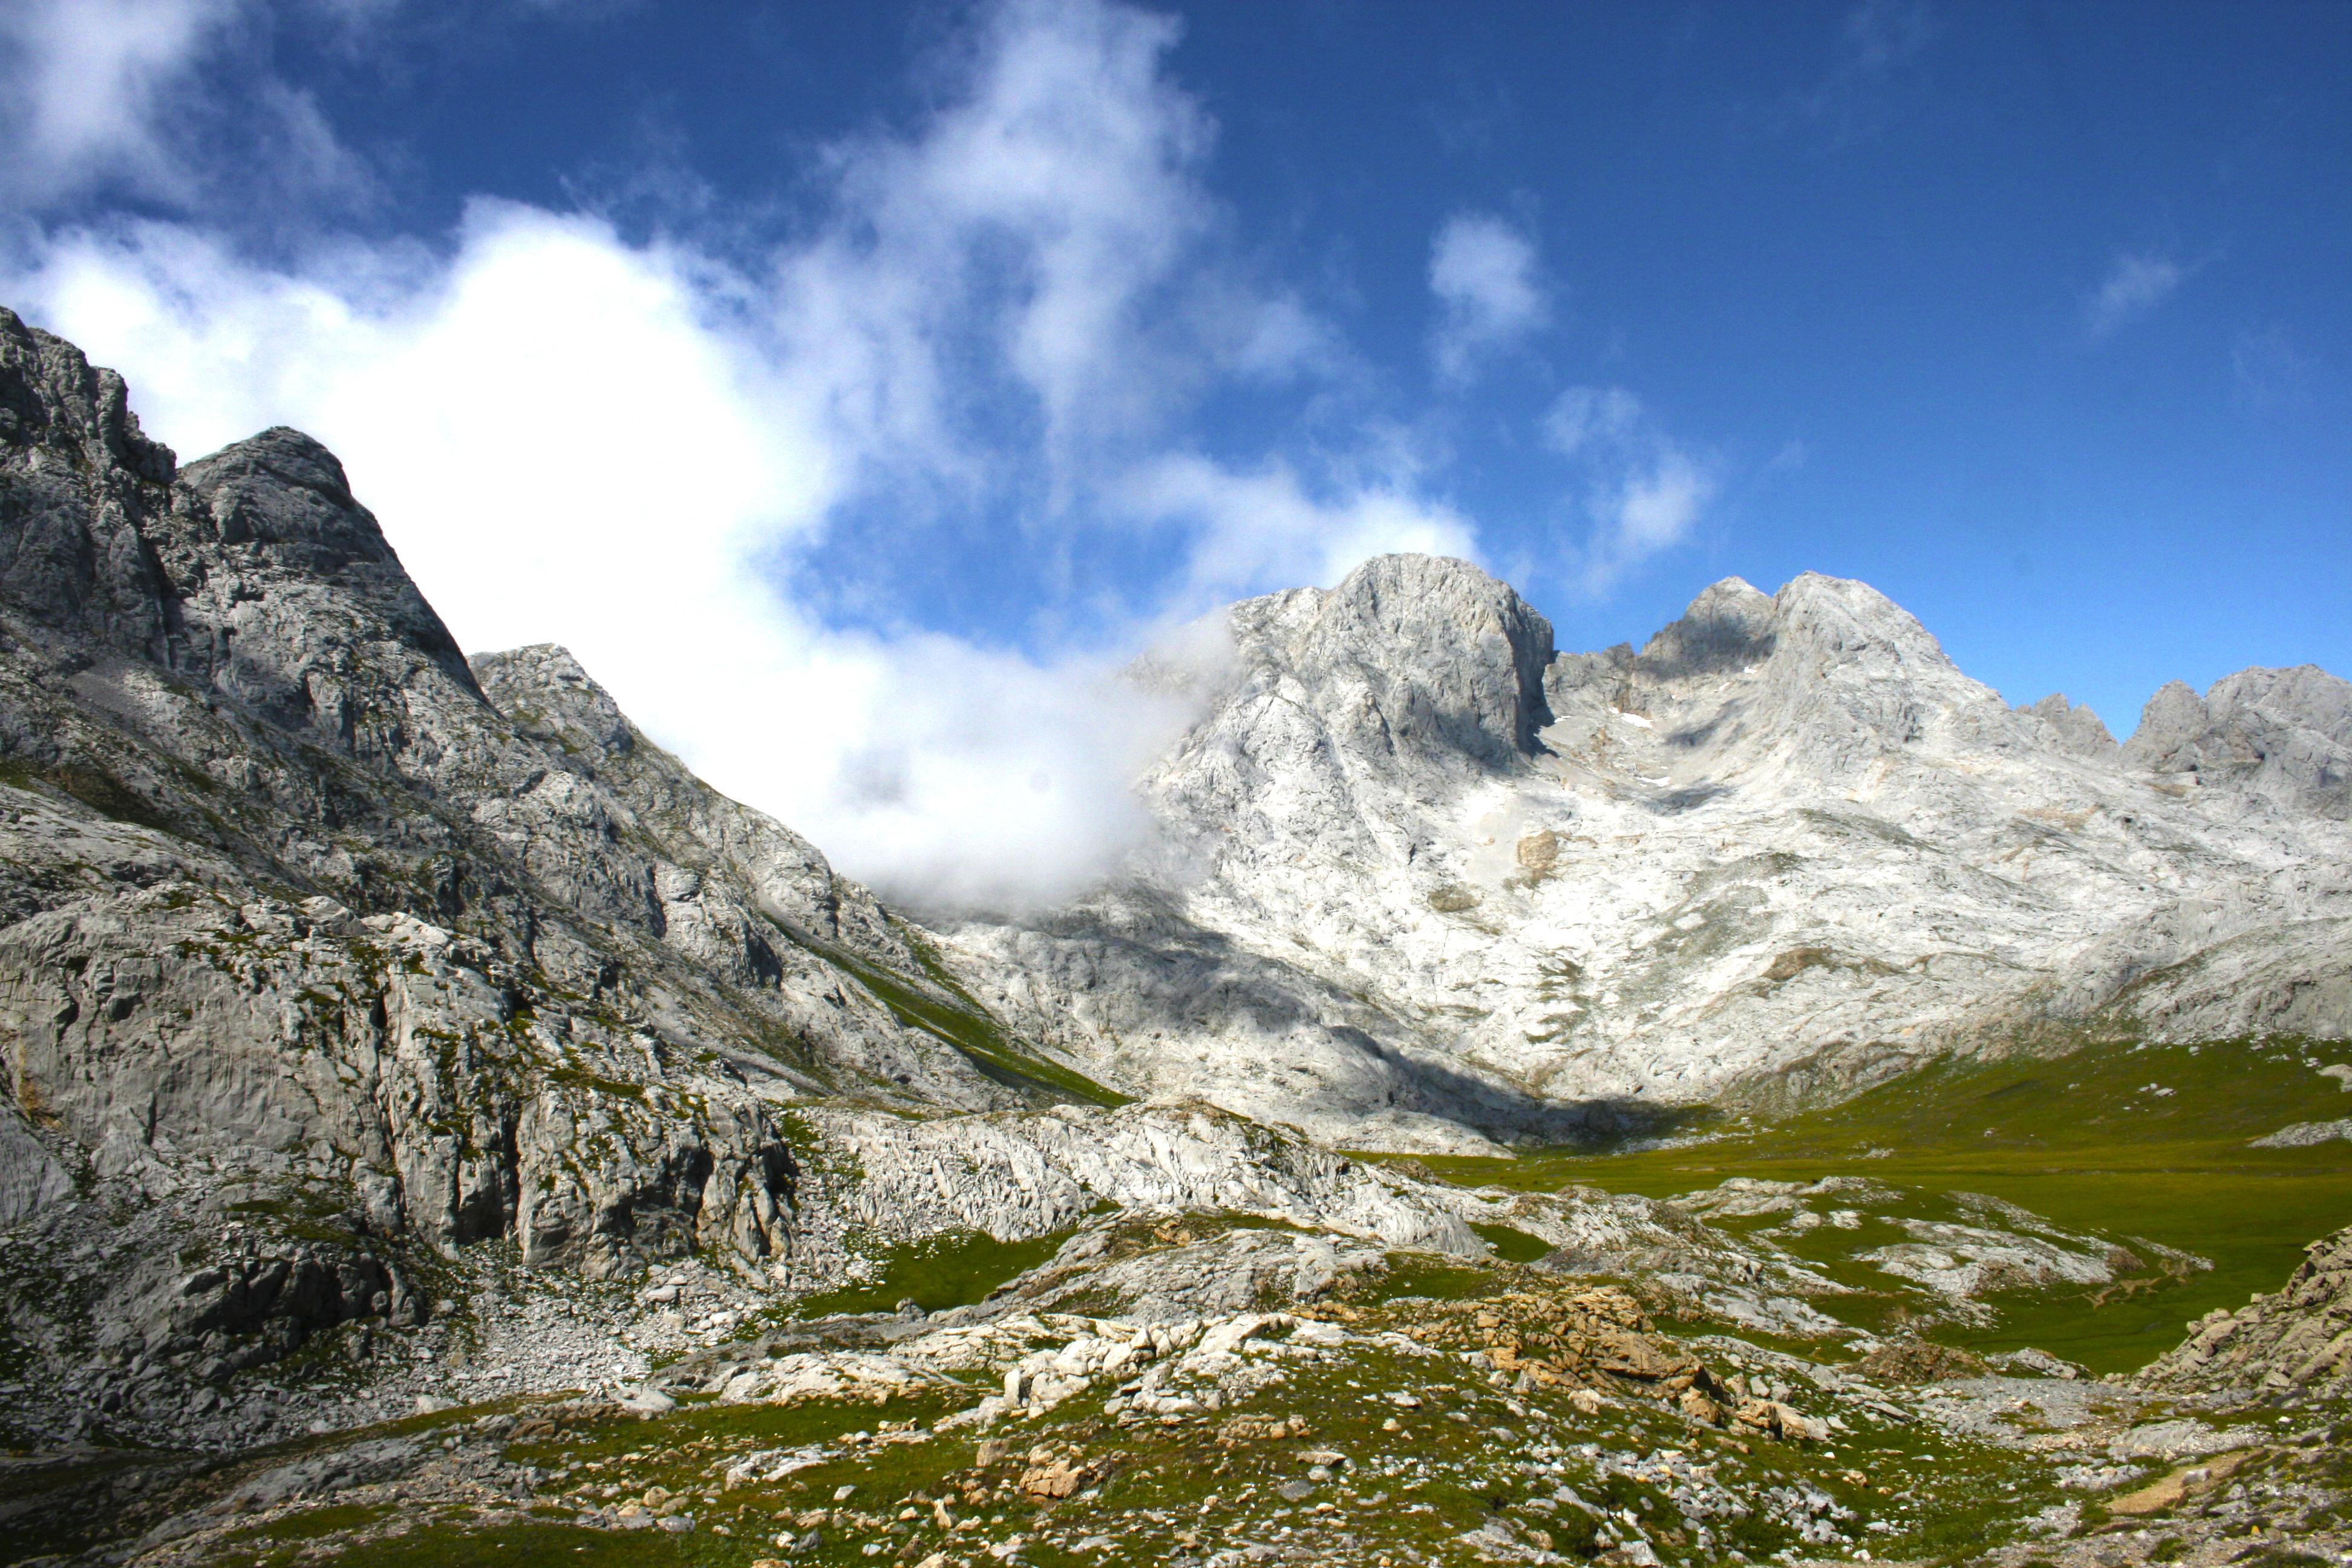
x=2074, y=727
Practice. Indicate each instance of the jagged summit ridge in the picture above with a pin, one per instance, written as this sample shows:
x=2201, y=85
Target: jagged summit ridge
x=1730, y=625
x=330, y=956
x=2285, y=733
x=1786, y=845
x=1415, y=656
x=1430, y=880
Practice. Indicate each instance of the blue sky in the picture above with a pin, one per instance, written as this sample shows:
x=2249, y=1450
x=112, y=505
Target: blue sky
x=852, y=385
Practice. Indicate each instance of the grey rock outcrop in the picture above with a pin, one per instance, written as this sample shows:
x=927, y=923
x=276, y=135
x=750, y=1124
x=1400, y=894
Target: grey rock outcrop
x=2294, y=1340
x=2075, y=727
x=2285, y=733
x=312, y=930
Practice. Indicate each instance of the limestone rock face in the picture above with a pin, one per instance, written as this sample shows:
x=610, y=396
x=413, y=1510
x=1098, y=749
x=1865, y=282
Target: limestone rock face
x=84, y=478
x=303, y=917
x=2283, y=733
x=2076, y=727
x=2295, y=1340
x=1423, y=883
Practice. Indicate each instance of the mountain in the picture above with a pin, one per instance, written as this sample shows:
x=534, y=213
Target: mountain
x=314, y=928
x=1425, y=881
x=388, y=1028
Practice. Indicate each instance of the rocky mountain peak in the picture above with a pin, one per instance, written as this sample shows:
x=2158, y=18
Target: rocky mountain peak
x=51, y=396
x=274, y=513
x=237, y=480
x=1828, y=676
x=549, y=696
x=1414, y=652
x=78, y=482
x=253, y=571
x=1840, y=621
x=2074, y=728
x=2305, y=697
x=2286, y=733
x=2171, y=723
x=1730, y=624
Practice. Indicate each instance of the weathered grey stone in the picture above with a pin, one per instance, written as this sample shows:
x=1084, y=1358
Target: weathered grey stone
x=358, y=1465
x=2296, y=1339
x=2073, y=727
x=2283, y=733
x=30, y=1177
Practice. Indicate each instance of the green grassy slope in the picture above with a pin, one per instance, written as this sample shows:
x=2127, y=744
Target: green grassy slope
x=949, y=1014
x=2087, y=1140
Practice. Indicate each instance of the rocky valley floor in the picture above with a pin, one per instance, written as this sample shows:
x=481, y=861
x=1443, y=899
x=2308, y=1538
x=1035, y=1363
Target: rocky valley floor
x=1812, y=1348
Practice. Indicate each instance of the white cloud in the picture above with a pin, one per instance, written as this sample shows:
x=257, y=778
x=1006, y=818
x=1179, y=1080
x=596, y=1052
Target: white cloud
x=1263, y=527
x=1483, y=271
x=1642, y=491
x=521, y=415
x=110, y=95
x=565, y=443
x=572, y=436
x=85, y=86
x=1029, y=233
x=2132, y=287
x=1586, y=416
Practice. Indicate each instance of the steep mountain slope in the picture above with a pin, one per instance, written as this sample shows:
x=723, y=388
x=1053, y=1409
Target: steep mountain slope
x=315, y=933
x=1423, y=878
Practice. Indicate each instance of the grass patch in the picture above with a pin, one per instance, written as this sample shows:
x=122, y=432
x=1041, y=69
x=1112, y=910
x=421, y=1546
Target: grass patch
x=963, y=1023
x=94, y=787
x=1512, y=1245
x=953, y=1268
x=332, y=1520
x=2086, y=1139
x=541, y=1546
x=1434, y=1276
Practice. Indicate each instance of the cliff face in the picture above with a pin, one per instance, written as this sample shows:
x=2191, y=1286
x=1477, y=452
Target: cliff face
x=308, y=920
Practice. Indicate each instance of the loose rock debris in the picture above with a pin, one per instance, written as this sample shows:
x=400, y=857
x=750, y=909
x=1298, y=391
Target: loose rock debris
x=1544, y=1420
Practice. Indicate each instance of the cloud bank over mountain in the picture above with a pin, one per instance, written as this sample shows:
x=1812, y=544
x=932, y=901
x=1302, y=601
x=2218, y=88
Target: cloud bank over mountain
x=629, y=444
